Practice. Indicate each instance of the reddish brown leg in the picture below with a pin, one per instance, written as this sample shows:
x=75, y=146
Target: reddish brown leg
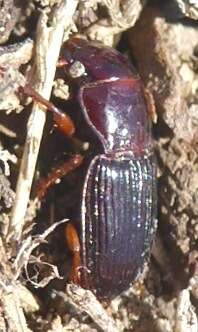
x=65, y=125
x=56, y=174
x=63, y=121
x=151, y=105
x=73, y=244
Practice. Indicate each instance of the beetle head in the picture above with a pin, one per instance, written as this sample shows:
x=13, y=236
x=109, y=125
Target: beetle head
x=100, y=62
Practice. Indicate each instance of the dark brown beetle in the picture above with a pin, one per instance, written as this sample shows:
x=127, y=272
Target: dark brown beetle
x=117, y=219
x=118, y=207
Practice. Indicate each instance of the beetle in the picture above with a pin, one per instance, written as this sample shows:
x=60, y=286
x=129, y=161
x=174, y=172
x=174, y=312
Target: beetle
x=117, y=219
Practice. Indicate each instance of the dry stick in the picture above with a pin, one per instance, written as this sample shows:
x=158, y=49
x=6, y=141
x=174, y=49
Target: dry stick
x=186, y=318
x=85, y=301
x=48, y=46
x=13, y=311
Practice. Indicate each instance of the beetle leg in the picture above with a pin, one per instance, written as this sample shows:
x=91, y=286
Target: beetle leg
x=151, y=105
x=63, y=121
x=73, y=243
x=57, y=173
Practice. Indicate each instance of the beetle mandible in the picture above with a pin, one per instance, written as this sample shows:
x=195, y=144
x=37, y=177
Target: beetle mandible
x=117, y=218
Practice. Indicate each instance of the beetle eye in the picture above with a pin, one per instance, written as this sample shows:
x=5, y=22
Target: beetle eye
x=77, y=69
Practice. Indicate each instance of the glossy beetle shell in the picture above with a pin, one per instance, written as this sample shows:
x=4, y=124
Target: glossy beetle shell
x=117, y=221
x=118, y=208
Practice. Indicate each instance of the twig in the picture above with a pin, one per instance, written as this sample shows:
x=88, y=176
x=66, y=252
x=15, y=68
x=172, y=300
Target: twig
x=13, y=311
x=6, y=131
x=9, y=296
x=14, y=297
x=29, y=244
x=186, y=319
x=84, y=300
x=48, y=46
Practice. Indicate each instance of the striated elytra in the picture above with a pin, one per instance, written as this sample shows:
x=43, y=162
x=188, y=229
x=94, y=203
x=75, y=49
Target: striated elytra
x=117, y=221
